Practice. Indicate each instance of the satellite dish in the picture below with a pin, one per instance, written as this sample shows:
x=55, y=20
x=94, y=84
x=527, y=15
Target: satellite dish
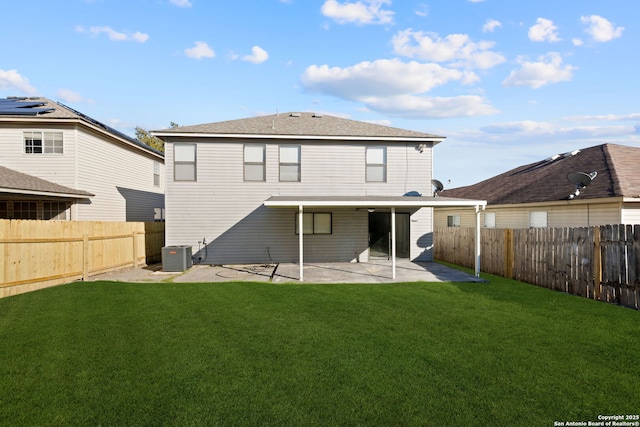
x=438, y=187
x=580, y=180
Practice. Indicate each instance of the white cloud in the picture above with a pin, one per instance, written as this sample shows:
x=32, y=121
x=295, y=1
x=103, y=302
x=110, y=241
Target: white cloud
x=546, y=70
x=12, y=80
x=525, y=126
x=456, y=49
x=199, y=51
x=606, y=117
x=577, y=42
x=380, y=78
x=491, y=25
x=476, y=1
x=422, y=10
x=181, y=3
x=529, y=131
x=359, y=12
x=113, y=34
x=418, y=107
x=395, y=88
x=543, y=30
x=139, y=37
x=68, y=95
x=601, y=29
x=258, y=55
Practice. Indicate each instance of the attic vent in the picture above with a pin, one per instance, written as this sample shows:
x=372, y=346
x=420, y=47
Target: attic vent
x=319, y=115
x=295, y=114
x=552, y=158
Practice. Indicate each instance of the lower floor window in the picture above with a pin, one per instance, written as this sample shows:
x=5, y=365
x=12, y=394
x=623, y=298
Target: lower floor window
x=25, y=210
x=54, y=210
x=537, y=219
x=453, y=221
x=490, y=219
x=32, y=209
x=315, y=223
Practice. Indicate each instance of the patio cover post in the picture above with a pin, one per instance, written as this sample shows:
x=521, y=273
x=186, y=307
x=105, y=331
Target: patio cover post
x=300, y=241
x=477, y=249
x=393, y=242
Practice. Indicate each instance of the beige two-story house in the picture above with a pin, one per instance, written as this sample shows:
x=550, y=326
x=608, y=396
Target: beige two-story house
x=59, y=164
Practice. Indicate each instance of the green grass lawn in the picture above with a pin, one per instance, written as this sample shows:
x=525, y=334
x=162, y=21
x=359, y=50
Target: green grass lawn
x=490, y=354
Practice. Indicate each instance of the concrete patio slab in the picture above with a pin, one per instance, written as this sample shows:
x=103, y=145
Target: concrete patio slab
x=374, y=271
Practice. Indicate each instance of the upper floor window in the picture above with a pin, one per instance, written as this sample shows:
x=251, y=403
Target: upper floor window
x=376, y=164
x=184, y=162
x=36, y=142
x=156, y=173
x=290, y=163
x=254, y=159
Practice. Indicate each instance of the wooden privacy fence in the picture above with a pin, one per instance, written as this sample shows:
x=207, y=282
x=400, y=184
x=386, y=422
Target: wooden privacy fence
x=39, y=254
x=600, y=262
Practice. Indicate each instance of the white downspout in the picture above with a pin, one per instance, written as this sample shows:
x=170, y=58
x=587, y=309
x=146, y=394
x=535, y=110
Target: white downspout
x=300, y=241
x=393, y=242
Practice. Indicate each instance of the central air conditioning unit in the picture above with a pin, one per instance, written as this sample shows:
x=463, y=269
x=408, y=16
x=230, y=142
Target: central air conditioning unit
x=176, y=258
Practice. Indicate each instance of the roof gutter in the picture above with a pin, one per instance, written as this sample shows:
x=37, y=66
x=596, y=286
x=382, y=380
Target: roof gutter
x=46, y=193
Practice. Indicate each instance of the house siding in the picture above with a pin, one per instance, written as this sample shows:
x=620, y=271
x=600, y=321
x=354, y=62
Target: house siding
x=121, y=179
x=577, y=215
x=228, y=213
x=58, y=168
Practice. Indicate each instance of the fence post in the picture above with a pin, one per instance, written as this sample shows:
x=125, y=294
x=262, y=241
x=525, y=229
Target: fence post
x=508, y=253
x=85, y=257
x=597, y=263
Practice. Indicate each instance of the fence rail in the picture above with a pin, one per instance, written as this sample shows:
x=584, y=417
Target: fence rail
x=39, y=254
x=600, y=262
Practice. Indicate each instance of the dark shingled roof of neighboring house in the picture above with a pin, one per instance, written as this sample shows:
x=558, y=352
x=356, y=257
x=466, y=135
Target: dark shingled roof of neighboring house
x=618, y=176
x=301, y=124
x=10, y=179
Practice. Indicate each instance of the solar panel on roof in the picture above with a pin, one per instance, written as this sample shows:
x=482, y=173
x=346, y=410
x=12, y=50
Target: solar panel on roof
x=18, y=107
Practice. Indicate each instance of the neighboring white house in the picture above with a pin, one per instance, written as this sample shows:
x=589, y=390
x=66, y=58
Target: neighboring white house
x=542, y=194
x=58, y=163
x=240, y=191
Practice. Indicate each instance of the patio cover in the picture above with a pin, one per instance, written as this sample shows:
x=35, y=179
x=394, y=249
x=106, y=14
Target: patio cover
x=387, y=202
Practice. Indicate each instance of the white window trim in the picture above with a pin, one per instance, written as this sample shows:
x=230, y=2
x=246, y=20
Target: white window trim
x=310, y=224
x=383, y=165
x=46, y=143
x=538, y=219
x=246, y=163
x=455, y=221
x=298, y=164
x=193, y=162
x=490, y=219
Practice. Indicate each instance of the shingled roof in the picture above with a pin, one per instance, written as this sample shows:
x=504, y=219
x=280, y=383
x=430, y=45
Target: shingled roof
x=301, y=125
x=546, y=180
x=18, y=182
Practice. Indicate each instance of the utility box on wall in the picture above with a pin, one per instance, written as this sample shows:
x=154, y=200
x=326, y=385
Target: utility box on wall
x=176, y=258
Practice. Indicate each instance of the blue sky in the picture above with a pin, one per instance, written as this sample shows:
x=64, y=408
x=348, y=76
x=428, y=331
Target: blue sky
x=508, y=83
